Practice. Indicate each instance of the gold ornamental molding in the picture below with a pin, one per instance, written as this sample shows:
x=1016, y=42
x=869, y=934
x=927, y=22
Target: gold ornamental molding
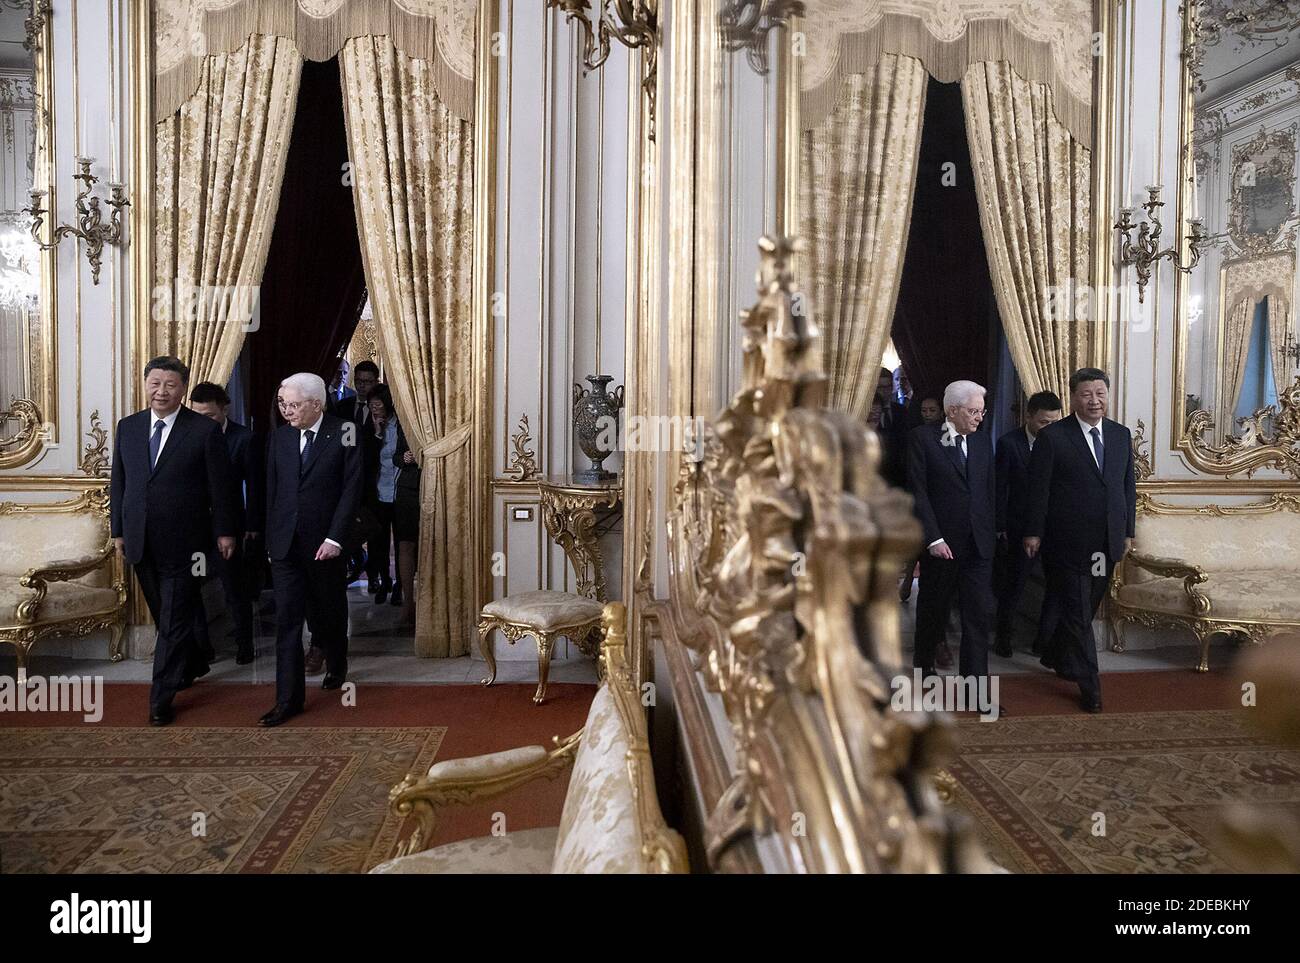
x=20, y=447
x=523, y=461
x=785, y=549
x=94, y=458
x=633, y=23
x=1270, y=438
x=1141, y=457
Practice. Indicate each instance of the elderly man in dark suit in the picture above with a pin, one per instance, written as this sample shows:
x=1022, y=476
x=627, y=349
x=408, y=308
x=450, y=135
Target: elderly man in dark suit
x=1082, y=512
x=171, y=495
x=1013, y=451
x=239, y=576
x=951, y=474
x=313, y=486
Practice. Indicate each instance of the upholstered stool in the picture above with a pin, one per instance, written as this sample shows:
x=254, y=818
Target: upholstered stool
x=544, y=615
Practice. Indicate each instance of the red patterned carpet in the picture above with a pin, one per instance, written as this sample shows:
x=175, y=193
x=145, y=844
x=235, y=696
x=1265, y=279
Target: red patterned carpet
x=214, y=793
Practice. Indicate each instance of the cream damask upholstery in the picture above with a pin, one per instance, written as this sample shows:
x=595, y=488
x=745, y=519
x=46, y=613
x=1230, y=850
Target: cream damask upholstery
x=1212, y=569
x=59, y=573
x=546, y=616
x=611, y=821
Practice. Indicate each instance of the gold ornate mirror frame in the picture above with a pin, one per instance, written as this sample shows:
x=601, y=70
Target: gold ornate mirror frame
x=37, y=416
x=1271, y=438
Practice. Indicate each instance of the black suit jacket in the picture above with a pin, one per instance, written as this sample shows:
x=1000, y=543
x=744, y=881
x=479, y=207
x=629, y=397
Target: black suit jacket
x=249, y=476
x=188, y=497
x=1076, y=509
x=958, y=507
x=893, y=442
x=347, y=409
x=321, y=501
x=1013, y=482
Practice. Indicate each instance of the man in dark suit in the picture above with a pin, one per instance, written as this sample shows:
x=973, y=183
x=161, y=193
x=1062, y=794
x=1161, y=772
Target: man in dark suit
x=313, y=485
x=1082, y=512
x=951, y=474
x=339, y=389
x=239, y=576
x=171, y=495
x=1013, y=452
x=892, y=429
x=355, y=408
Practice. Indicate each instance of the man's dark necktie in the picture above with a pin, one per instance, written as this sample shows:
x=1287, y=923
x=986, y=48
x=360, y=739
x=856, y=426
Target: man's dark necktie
x=155, y=443
x=1098, y=448
x=306, y=451
x=961, y=452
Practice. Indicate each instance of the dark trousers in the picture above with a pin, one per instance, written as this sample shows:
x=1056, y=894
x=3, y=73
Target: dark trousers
x=379, y=539
x=239, y=586
x=171, y=590
x=970, y=578
x=304, y=585
x=1016, y=568
x=1076, y=595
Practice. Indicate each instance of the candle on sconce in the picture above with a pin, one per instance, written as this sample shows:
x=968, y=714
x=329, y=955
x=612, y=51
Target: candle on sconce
x=1196, y=203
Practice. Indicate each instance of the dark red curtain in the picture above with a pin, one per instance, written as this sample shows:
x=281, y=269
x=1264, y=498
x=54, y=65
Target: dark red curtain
x=946, y=321
x=314, y=286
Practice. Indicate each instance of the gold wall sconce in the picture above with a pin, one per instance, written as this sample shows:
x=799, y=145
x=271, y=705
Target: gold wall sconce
x=745, y=24
x=1144, y=253
x=90, y=226
x=634, y=23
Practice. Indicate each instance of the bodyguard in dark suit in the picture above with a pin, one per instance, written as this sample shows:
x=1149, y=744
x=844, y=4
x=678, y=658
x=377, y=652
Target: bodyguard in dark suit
x=951, y=475
x=241, y=575
x=1082, y=511
x=1013, y=452
x=892, y=430
x=313, y=485
x=355, y=408
x=171, y=495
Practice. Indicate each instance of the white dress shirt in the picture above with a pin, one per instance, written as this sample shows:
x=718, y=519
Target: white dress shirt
x=1087, y=436
x=315, y=439
x=1030, y=436
x=168, y=422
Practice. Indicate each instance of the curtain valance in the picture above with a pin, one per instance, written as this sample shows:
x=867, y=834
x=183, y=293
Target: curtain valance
x=1045, y=42
x=441, y=32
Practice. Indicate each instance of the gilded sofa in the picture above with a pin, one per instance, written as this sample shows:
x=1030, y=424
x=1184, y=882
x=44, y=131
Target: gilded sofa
x=611, y=821
x=59, y=573
x=1211, y=569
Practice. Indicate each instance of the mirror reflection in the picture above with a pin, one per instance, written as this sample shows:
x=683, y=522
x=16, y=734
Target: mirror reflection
x=20, y=335
x=1245, y=83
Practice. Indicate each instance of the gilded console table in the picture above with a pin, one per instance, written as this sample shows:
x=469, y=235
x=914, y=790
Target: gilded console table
x=576, y=514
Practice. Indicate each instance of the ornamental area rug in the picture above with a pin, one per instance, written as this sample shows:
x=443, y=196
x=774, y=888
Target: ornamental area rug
x=203, y=799
x=1038, y=788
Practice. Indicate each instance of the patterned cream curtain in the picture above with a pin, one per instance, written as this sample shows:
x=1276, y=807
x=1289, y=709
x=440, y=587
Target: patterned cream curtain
x=1279, y=327
x=219, y=164
x=1236, y=348
x=858, y=174
x=412, y=164
x=1032, y=181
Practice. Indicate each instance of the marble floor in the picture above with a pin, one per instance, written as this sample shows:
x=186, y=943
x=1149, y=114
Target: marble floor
x=380, y=650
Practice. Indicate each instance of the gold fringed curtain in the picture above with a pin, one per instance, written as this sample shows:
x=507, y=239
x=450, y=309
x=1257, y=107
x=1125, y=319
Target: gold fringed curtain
x=1032, y=181
x=412, y=165
x=1236, y=349
x=858, y=175
x=219, y=164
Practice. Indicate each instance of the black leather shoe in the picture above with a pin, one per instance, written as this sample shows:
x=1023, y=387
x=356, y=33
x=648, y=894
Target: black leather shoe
x=382, y=595
x=332, y=681
x=396, y=598
x=278, y=716
x=1090, y=705
x=161, y=717
x=1002, y=647
x=245, y=655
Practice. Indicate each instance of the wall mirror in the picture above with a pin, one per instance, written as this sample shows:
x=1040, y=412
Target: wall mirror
x=26, y=272
x=751, y=64
x=1238, y=358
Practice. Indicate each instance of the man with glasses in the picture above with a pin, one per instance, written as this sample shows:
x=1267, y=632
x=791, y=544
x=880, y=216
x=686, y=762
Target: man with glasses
x=313, y=485
x=952, y=479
